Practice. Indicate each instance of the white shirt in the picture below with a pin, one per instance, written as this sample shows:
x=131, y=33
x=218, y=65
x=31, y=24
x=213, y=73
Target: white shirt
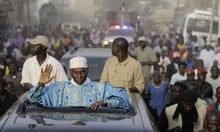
x=31, y=70
x=177, y=78
x=207, y=57
x=164, y=61
x=215, y=83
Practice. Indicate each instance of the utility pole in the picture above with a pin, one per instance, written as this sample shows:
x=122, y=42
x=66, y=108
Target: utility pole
x=214, y=2
x=62, y=11
x=28, y=13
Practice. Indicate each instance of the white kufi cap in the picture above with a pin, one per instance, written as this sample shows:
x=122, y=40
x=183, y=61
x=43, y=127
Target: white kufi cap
x=78, y=62
x=142, y=38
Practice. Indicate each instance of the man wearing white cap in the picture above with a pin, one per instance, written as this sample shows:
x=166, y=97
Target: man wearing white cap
x=172, y=68
x=146, y=56
x=32, y=66
x=79, y=91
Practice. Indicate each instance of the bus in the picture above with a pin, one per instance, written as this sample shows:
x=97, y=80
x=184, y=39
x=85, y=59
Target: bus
x=198, y=23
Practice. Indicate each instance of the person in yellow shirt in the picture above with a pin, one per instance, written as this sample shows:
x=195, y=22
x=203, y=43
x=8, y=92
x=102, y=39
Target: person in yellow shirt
x=121, y=70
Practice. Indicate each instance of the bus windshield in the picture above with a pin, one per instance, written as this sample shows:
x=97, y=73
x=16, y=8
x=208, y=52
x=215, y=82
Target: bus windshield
x=201, y=25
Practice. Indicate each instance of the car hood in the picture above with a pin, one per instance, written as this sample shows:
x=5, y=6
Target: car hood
x=111, y=38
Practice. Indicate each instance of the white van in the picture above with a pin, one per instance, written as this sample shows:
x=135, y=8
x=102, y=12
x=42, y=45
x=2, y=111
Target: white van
x=70, y=26
x=199, y=23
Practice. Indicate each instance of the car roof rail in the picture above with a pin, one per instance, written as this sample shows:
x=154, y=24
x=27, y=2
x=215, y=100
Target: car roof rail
x=26, y=107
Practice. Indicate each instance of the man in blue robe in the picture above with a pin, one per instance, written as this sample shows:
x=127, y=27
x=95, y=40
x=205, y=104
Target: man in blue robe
x=79, y=91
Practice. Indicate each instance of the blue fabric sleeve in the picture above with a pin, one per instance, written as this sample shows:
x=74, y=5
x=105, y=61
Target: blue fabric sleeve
x=34, y=95
x=115, y=97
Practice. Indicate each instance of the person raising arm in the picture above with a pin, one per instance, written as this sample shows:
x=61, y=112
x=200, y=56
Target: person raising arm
x=79, y=91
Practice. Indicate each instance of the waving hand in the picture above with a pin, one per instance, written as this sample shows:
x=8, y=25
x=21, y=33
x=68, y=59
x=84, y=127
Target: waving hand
x=45, y=75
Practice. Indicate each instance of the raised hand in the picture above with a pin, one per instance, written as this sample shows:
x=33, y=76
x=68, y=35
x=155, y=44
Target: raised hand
x=45, y=75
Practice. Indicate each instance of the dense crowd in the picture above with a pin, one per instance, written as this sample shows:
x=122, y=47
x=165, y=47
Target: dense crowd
x=171, y=64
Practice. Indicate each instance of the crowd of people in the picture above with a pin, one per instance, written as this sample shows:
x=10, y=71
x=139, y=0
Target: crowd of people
x=177, y=78
x=183, y=80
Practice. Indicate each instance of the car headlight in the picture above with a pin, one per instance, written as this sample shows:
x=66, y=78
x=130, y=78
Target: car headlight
x=105, y=42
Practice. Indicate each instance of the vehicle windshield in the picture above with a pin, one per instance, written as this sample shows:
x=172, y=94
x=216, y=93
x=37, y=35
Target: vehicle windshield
x=199, y=25
x=129, y=33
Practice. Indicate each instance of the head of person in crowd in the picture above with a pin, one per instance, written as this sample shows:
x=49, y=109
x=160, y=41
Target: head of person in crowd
x=215, y=72
x=182, y=68
x=187, y=101
x=202, y=74
x=176, y=90
x=214, y=63
x=189, y=48
x=199, y=64
x=6, y=99
x=212, y=121
x=190, y=74
x=189, y=57
x=38, y=45
x=120, y=48
x=176, y=57
x=193, y=86
x=13, y=68
x=10, y=87
x=79, y=69
x=157, y=77
x=194, y=58
x=208, y=46
x=142, y=42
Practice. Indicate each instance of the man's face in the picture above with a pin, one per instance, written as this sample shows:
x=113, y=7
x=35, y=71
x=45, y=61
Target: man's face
x=115, y=50
x=143, y=44
x=36, y=49
x=12, y=67
x=79, y=75
x=176, y=59
x=215, y=71
x=202, y=76
x=213, y=124
x=190, y=76
x=175, y=91
x=182, y=69
x=187, y=106
x=199, y=63
x=157, y=77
